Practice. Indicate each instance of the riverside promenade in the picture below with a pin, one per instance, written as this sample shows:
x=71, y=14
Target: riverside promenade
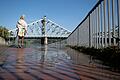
x=51, y=63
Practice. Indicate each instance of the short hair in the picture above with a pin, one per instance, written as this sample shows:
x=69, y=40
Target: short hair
x=22, y=17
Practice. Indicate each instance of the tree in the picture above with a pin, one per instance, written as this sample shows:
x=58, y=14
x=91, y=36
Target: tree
x=4, y=32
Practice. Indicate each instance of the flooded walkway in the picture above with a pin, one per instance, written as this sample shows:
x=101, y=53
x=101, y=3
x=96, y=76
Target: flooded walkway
x=52, y=63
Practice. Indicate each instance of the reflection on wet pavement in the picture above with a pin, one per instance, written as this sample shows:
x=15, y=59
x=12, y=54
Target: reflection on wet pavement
x=82, y=59
x=52, y=63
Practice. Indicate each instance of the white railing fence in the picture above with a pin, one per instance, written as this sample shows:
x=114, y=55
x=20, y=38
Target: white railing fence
x=100, y=28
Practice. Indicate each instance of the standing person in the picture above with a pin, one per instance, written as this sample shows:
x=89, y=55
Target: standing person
x=22, y=29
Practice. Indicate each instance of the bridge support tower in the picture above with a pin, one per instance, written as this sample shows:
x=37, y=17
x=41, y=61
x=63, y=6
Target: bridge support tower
x=44, y=39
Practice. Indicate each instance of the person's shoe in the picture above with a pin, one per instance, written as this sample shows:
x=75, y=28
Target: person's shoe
x=19, y=46
x=22, y=46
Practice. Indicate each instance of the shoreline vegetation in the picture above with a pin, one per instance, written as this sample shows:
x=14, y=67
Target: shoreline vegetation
x=4, y=32
x=110, y=56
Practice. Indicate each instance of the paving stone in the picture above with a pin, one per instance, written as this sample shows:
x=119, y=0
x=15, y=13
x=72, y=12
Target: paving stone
x=54, y=64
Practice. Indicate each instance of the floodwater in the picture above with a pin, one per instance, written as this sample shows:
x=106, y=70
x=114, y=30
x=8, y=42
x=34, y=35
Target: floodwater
x=52, y=62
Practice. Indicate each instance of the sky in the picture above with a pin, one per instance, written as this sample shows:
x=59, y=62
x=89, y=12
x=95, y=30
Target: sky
x=67, y=13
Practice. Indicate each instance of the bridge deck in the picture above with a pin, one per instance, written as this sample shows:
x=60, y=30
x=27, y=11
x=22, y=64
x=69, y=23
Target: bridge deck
x=51, y=63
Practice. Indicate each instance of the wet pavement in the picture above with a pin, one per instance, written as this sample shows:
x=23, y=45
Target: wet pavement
x=52, y=63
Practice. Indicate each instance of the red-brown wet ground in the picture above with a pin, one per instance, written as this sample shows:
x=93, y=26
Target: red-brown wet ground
x=50, y=63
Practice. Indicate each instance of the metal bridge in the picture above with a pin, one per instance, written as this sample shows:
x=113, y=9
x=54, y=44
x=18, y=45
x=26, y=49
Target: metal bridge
x=37, y=30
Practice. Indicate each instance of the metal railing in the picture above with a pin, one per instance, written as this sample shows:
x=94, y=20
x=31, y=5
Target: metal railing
x=100, y=28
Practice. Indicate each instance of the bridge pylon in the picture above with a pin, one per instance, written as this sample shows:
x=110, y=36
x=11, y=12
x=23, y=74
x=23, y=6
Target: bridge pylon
x=44, y=39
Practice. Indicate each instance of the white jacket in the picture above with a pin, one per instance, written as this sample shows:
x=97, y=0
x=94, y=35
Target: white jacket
x=22, y=27
x=22, y=24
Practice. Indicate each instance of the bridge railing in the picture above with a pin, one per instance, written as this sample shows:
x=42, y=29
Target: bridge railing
x=100, y=28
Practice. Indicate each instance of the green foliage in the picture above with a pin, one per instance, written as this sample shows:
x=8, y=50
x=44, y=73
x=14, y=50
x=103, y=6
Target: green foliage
x=4, y=32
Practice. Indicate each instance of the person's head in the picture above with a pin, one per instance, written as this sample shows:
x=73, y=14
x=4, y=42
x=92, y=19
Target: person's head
x=22, y=17
x=44, y=17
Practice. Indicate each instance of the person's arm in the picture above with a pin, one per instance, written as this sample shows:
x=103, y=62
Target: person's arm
x=25, y=25
x=17, y=25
